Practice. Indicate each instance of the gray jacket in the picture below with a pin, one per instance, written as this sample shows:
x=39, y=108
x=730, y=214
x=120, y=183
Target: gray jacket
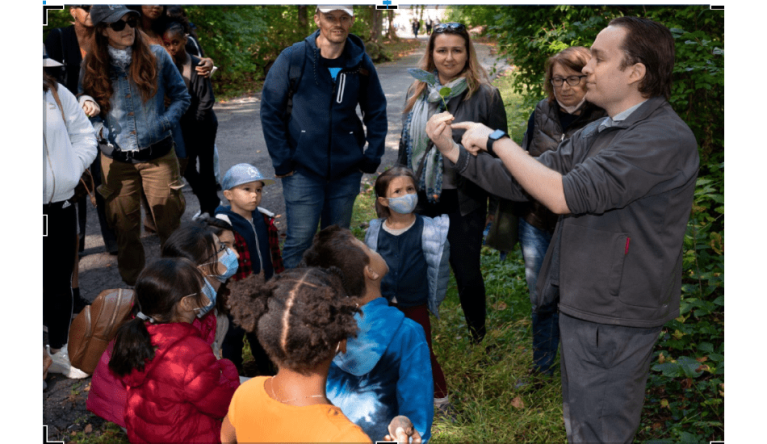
x=436, y=250
x=617, y=258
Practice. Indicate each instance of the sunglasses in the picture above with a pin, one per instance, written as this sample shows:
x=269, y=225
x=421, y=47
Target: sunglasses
x=452, y=26
x=120, y=24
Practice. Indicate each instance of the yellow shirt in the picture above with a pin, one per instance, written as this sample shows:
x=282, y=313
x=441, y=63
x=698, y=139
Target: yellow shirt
x=258, y=418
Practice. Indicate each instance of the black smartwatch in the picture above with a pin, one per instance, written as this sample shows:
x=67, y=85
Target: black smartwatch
x=495, y=135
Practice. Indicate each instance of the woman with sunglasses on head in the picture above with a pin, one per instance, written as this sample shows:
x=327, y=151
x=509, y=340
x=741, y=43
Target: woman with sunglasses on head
x=452, y=60
x=130, y=81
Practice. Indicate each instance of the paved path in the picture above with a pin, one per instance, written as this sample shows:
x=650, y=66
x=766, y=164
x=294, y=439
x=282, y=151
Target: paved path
x=240, y=139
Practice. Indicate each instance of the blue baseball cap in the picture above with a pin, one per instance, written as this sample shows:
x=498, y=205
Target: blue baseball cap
x=242, y=173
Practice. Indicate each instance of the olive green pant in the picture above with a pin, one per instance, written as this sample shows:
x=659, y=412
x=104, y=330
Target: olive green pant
x=122, y=184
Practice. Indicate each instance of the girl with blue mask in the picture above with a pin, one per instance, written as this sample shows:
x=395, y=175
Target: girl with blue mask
x=414, y=247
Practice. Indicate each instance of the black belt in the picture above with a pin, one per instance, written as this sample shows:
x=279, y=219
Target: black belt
x=151, y=152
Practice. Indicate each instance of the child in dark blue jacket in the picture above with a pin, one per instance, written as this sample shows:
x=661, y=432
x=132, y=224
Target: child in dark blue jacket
x=257, y=243
x=386, y=369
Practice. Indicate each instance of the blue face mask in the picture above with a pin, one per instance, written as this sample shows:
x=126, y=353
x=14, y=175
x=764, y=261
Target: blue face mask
x=403, y=204
x=228, y=260
x=210, y=292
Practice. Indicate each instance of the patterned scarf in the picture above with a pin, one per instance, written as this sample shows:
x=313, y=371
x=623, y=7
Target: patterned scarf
x=120, y=58
x=419, y=144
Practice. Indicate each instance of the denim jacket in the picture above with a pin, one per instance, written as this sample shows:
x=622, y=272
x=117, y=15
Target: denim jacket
x=132, y=124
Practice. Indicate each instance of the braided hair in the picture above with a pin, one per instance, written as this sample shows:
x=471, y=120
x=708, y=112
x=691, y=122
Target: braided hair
x=300, y=316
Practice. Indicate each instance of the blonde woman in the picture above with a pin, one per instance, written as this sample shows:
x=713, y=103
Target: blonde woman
x=453, y=61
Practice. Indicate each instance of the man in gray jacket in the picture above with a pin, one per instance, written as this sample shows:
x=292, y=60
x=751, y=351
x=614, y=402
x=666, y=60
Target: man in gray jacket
x=623, y=186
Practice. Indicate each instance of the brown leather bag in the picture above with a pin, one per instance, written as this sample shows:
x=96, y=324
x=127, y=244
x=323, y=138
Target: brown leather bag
x=96, y=325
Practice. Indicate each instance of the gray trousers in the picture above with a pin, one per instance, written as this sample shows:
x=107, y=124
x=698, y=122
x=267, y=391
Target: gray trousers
x=604, y=373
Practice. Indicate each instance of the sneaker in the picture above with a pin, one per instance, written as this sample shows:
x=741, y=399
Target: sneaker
x=61, y=365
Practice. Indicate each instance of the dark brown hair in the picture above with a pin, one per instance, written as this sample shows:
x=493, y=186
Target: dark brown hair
x=159, y=288
x=49, y=82
x=574, y=57
x=97, y=80
x=651, y=44
x=300, y=316
x=382, y=185
x=333, y=247
x=473, y=71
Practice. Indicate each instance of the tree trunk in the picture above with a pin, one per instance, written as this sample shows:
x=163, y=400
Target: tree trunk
x=376, y=22
x=392, y=32
x=303, y=20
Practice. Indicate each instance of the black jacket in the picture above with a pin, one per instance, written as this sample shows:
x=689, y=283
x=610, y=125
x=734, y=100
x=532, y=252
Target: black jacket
x=62, y=46
x=484, y=106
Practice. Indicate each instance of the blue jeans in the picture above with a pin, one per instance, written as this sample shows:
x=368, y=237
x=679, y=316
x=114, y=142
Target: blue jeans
x=534, y=243
x=309, y=198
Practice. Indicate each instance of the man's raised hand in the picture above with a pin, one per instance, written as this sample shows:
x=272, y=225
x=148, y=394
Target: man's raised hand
x=475, y=137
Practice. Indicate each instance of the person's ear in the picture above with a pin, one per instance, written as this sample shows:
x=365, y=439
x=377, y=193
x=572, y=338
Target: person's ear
x=371, y=274
x=228, y=195
x=383, y=201
x=637, y=73
x=317, y=18
x=343, y=346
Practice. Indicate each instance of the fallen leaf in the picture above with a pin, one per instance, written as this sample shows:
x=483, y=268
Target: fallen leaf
x=664, y=403
x=702, y=359
x=87, y=387
x=73, y=433
x=721, y=393
x=517, y=403
x=661, y=358
x=657, y=426
x=500, y=306
x=687, y=383
x=703, y=367
x=88, y=428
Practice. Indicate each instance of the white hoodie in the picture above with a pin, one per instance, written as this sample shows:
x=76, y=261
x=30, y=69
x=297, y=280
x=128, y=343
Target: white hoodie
x=68, y=148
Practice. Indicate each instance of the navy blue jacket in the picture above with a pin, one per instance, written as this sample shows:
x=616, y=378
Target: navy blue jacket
x=323, y=135
x=256, y=235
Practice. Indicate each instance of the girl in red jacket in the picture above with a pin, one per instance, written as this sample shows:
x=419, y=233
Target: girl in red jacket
x=178, y=392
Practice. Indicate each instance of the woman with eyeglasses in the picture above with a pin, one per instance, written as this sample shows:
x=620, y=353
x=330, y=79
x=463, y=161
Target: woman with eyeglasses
x=452, y=61
x=131, y=80
x=554, y=119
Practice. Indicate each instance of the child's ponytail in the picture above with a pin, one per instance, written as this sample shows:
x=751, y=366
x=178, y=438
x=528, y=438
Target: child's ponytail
x=159, y=288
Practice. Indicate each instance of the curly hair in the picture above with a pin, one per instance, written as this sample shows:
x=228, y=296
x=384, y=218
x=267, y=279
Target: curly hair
x=299, y=316
x=334, y=247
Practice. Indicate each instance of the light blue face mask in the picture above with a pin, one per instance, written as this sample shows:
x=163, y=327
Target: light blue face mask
x=403, y=204
x=210, y=292
x=229, y=260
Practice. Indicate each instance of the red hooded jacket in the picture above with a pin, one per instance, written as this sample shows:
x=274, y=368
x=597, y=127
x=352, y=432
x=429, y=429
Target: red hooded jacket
x=183, y=393
x=107, y=395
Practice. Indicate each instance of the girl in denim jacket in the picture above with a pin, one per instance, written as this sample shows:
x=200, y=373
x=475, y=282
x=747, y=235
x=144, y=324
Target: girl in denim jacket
x=131, y=81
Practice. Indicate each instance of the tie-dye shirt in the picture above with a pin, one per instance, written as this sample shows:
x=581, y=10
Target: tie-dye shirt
x=385, y=372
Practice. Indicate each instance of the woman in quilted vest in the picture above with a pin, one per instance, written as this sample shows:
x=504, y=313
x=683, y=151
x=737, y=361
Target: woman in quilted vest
x=554, y=119
x=178, y=392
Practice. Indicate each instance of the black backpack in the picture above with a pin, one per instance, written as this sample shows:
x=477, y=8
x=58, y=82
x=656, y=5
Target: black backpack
x=295, y=71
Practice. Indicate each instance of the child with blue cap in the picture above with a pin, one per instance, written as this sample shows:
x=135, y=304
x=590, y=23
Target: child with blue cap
x=256, y=240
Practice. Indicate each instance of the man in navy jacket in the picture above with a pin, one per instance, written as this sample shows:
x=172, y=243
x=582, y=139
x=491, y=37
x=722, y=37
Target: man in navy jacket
x=317, y=148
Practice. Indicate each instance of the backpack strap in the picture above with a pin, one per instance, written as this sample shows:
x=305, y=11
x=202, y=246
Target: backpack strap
x=295, y=71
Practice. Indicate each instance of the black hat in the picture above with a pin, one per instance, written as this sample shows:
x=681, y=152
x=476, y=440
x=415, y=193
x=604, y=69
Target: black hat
x=109, y=13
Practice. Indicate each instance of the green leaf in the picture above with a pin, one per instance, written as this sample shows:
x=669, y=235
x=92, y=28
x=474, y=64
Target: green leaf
x=689, y=366
x=669, y=369
x=445, y=91
x=706, y=347
x=423, y=76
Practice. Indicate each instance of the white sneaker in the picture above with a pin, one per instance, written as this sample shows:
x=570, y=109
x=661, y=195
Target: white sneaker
x=61, y=365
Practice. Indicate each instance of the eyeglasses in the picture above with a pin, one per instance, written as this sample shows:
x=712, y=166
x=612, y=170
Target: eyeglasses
x=571, y=80
x=86, y=8
x=120, y=24
x=452, y=26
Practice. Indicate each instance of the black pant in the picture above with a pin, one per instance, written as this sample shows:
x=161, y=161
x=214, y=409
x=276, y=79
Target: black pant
x=200, y=145
x=465, y=237
x=58, y=262
x=231, y=349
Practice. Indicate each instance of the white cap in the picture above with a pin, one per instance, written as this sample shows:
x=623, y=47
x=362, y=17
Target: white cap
x=345, y=8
